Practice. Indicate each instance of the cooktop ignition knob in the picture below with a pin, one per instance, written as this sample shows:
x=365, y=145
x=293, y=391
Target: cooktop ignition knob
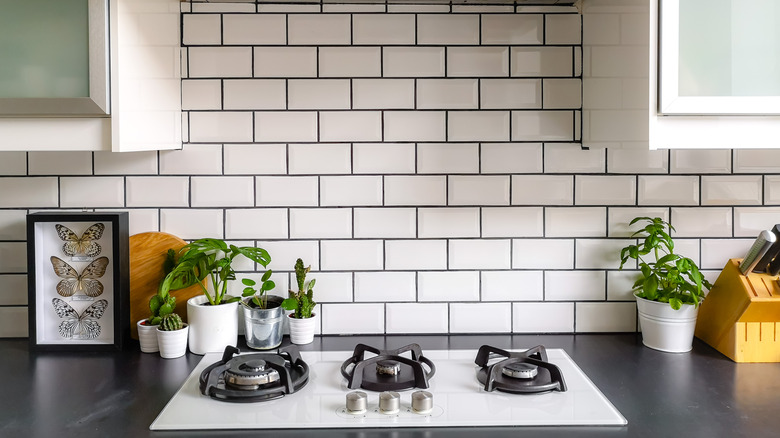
x=389, y=402
x=422, y=402
x=357, y=402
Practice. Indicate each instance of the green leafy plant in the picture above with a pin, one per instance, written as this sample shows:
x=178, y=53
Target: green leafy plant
x=260, y=299
x=666, y=277
x=171, y=322
x=163, y=303
x=301, y=301
x=212, y=259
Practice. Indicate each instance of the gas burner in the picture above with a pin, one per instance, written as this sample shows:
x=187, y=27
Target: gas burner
x=391, y=371
x=254, y=377
x=519, y=373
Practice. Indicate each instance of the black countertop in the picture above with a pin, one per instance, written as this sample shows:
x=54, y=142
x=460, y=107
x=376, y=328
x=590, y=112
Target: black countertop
x=696, y=394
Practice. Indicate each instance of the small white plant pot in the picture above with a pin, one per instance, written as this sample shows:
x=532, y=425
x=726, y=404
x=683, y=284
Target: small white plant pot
x=147, y=336
x=302, y=330
x=173, y=344
x=664, y=328
x=212, y=328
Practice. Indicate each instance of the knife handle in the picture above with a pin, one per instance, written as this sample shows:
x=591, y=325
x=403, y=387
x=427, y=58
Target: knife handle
x=762, y=244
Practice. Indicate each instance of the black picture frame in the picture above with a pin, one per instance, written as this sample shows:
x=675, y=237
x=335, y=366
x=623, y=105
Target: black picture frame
x=64, y=313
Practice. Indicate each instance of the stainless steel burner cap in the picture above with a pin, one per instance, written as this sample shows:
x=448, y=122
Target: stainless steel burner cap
x=389, y=367
x=250, y=374
x=520, y=370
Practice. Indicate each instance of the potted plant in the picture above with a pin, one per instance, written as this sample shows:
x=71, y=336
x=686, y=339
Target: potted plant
x=263, y=316
x=213, y=316
x=669, y=289
x=172, y=336
x=161, y=304
x=302, y=303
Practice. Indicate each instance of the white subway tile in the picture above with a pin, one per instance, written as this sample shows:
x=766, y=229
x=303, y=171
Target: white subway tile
x=284, y=126
x=383, y=29
x=700, y=161
x=13, y=257
x=448, y=222
x=510, y=93
x=542, y=189
x=731, y=190
x=319, y=158
x=447, y=93
x=415, y=190
x=543, y=317
x=447, y=29
x=619, y=218
x=716, y=252
x=13, y=163
x=202, y=159
x=415, y=126
x=478, y=61
x=318, y=93
x=339, y=319
x=575, y=222
x=254, y=29
x=574, y=285
x=512, y=286
x=756, y=161
x=286, y=7
x=220, y=62
x=563, y=28
x=125, y=163
x=542, y=126
x=628, y=128
x=347, y=255
x=192, y=223
x=702, y=221
x=749, y=221
x=383, y=93
x=415, y=254
x=352, y=62
x=600, y=28
x=333, y=287
x=13, y=225
x=413, y=318
x=448, y=158
x=158, y=191
x=543, y=254
x=478, y=190
x=512, y=29
x=14, y=290
x=480, y=254
x=285, y=62
x=637, y=161
x=318, y=29
x=259, y=94
x=82, y=192
x=201, y=29
x=604, y=190
x=562, y=93
x=284, y=253
x=256, y=223
x=571, y=158
x=256, y=159
x=220, y=127
x=223, y=191
x=605, y=317
x=385, y=222
x=351, y=126
x=350, y=190
x=448, y=286
x=619, y=61
x=478, y=126
x=668, y=190
x=542, y=61
x=771, y=189
x=14, y=322
x=385, y=286
x=382, y=158
x=480, y=318
x=687, y=248
x=143, y=220
x=512, y=222
x=599, y=253
x=320, y=223
x=413, y=62
x=511, y=158
x=604, y=94
x=287, y=191
x=620, y=285
x=59, y=163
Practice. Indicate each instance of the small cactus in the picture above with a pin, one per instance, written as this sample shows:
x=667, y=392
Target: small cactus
x=171, y=322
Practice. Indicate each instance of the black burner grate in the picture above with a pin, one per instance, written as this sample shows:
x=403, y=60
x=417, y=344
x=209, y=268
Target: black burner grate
x=411, y=373
x=548, y=377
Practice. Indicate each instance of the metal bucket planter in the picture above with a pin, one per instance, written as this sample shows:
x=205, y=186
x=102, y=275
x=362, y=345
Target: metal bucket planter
x=263, y=327
x=664, y=328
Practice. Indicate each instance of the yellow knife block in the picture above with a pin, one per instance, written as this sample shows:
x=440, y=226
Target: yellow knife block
x=740, y=315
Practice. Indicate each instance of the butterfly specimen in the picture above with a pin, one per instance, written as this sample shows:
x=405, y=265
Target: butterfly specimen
x=84, y=325
x=81, y=245
x=72, y=281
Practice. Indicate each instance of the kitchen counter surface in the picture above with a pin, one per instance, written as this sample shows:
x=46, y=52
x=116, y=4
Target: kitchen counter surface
x=696, y=394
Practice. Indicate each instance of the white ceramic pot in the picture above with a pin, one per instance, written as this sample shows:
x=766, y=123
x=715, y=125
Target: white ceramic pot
x=302, y=330
x=173, y=344
x=147, y=336
x=664, y=328
x=212, y=328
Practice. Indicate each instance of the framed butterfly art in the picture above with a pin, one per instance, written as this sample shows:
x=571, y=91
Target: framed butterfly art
x=78, y=280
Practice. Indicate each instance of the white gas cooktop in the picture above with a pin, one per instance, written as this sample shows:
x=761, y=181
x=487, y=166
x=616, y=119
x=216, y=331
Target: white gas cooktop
x=458, y=400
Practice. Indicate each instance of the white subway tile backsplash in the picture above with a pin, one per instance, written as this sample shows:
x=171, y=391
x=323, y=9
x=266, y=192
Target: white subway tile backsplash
x=158, y=191
x=574, y=285
x=381, y=158
x=635, y=161
x=413, y=62
x=350, y=62
x=199, y=159
x=479, y=254
x=620, y=284
x=604, y=190
x=668, y=190
x=14, y=322
x=619, y=219
x=254, y=29
x=126, y=163
x=415, y=190
x=12, y=225
x=281, y=62
x=570, y=158
x=13, y=163
x=383, y=93
x=512, y=29
x=351, y=126
x=448, y=158
x=478, y=125
x=216, y=62
x=512, y=221
x=319, y=158
x=448, y=222
x=284, y=253
x=253, y=223
x=201, y=29
x=543, y=317
x=542, y=190
x=414, y=318
x=279, y=126
x=542, y=126
x=333, y=287
x=353, y=318
x=511, y=157
x=257, y=94
x=700, y=161
x=478, y=190
x=465, y=318
x=277, y=191
x=350, y=190
x=349, y=255
x=561, y=93
x=447, y=93
x=215, y=127
x=702, y=221
x=192, y=223
x=223, y=191
x=317, y=29
x=543, y=254
x=143, y=220
x=385, y=286
x=512, y=286
x=575, y=222
x=447, y=29
x=13, y=258
x=84, y=192
x=771, y=189
x=510, y=93
x=415, y=126
x=320, y=223
x=731, y=190
x=605, y=317
x=14, y=290
x=716, y=252
x=563, y=28
x=318, y=93
x=385, y=222
x=415, y=254
x=383, y=29
x=756, y=161
x=478, y=61
x=599, y=253
x=255, y=159
x=448, y=286
x=59, y=163
x=541, y=61
x=749, y=221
